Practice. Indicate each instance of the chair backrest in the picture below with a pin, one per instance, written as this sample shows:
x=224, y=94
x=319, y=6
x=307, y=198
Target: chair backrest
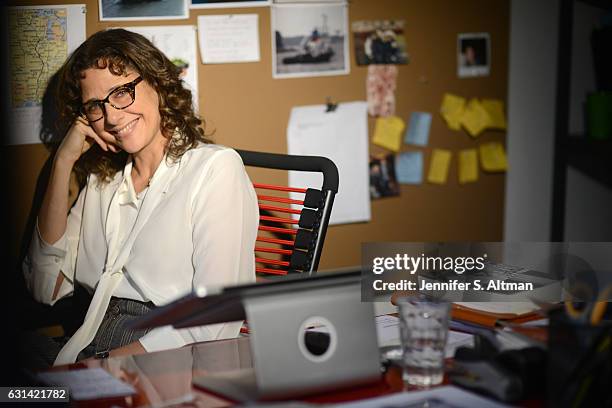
x=292, y=231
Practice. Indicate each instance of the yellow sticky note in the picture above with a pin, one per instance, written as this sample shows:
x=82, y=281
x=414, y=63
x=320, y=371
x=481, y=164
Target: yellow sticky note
x=475, y=118
x=468, y=166
x=493, y=157
x=452, y=110
x=495, y=109
x=438, y=168
x=388, y=132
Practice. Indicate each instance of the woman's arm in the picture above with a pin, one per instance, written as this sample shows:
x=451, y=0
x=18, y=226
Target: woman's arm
x=54, y=209
x=49, y=250
x=129, y=349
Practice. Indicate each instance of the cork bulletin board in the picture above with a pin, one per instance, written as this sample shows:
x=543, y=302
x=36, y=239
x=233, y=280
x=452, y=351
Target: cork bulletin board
x=248, y=109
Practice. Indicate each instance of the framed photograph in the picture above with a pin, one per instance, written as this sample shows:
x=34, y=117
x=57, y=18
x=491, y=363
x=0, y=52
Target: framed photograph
x=309, y=40
x=379, y=42
x=134, y=10
x=473, y=55
x=383, y=180
x=205, y=4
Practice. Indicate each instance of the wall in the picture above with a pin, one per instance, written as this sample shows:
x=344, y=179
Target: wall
x=249, y=110
x=531, y=115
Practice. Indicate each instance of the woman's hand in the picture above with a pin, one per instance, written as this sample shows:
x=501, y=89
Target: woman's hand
x=129, y=349
x=79, y=139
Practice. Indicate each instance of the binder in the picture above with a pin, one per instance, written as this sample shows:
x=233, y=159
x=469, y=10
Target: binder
x=490, y=319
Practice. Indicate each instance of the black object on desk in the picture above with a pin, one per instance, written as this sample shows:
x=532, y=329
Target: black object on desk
x=510, y=376
x=580, y=362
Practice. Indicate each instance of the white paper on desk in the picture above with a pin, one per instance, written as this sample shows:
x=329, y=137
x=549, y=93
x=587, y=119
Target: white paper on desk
x=88, y=383
x=342, y=136
x=178, y=42
x=439, y=397
x=387, y=329
x=229, y=38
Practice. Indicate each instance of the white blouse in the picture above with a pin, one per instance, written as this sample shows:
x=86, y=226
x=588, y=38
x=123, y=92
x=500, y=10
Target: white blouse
x=194, y=228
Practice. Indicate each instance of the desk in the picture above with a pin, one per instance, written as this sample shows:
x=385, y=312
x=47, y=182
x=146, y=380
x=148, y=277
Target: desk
x=165, y=378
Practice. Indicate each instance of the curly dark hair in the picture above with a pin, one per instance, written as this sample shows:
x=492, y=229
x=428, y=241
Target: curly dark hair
x=121, y=50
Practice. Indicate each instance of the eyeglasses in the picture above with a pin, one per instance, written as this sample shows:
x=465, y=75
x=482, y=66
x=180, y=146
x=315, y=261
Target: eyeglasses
x=119, y=98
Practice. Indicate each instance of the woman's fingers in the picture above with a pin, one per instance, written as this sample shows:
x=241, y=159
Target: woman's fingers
x=89, y=132
x=111, y=146
x=81, y=137
x=82, y=121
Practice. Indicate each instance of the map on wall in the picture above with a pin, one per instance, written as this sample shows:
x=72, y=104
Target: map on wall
x=37, y=48
x=39, y=41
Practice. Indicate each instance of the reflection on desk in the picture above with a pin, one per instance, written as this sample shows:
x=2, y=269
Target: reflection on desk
x=165, y=378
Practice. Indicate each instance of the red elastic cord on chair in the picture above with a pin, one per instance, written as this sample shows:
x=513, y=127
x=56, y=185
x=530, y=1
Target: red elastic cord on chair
x=278, y=219
x=280, y=200
x=274, y=250
x=279, y=209
x=277, y=229
x=271, y=271
x=283, y=222
x=279, y=188
x=275, y=241
x=272, y=261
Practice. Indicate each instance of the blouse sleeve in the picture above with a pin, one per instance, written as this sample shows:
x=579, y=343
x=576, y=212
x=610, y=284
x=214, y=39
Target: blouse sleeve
x=44, y=261
x=225, y=216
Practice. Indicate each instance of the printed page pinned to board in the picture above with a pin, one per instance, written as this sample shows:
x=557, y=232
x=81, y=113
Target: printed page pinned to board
x=229, y=38
x=178, y=42
x=341, y=136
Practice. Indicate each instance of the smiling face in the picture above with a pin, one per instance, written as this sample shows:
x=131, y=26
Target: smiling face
x=135, y=129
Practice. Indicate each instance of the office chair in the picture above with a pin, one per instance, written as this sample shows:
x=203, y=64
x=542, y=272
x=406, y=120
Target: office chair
x=292, y=231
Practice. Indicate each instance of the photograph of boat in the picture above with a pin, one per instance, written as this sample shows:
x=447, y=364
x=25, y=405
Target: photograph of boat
x=309, y=40
x=123, y=10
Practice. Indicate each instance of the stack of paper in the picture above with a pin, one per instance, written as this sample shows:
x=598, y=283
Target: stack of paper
x=387, y=329
x=440, y=397
x=87, y=384
x=490, y=313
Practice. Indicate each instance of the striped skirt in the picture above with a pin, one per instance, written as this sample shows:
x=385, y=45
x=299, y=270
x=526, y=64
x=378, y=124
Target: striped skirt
x=39, y=351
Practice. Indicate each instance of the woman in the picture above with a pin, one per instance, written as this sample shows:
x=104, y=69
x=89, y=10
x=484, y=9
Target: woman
x=162, y=213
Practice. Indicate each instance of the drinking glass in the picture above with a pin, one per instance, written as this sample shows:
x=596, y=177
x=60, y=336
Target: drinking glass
x=423, y=334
